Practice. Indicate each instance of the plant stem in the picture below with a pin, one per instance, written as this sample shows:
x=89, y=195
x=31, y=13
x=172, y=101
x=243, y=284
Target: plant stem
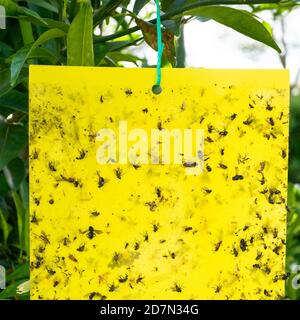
x=180, y=10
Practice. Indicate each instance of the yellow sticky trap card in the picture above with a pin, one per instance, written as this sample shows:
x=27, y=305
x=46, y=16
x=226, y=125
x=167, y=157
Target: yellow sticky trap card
x=180, y=195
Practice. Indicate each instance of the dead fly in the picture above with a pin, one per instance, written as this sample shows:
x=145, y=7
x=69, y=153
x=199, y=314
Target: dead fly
x=237, y=177
x=39, y=261
x=248, y=121
x=155, y=227
x=136, y=246
x=139, y=279
x=245, y=228
x=43, y=237
x=206, y=190
x=209, y=139
x=128, y=92
x=208, y=168
x=176, y=287
x=152, y=205
x=271, y=122
x=222, y=166
x=243, y=244
x=262, y=167
x=186, y=229
x=72, y=258
x=222, y=151
x=112, y=288
x=34, y=219
x=172, y=254
x=267, y=293
x=37, y=201
x=262, y=180
x=233, y=116
x=116, y=257
x=145, y=110
x=91, y=232
x=223, y=133
x=123, y=279
x=218, y=245
x=101, y=181
x=159, y=125
x=242, y=159
x=82, y=154
x=35, y=154
x=146, y=237
x=95, y=213
x=235, y=252
x=158, y=192
x=190, y=164
x=283, y=154
x=51, y=166
x=258, y=256
x=218, y=289
x=92, y=295
x=50, y=271
x=73, y=181
x=277, y=249
x=210, y=128
x=66, y=241
x=284, y=277
x=118, y=173
x=269, y=107
x=81, y=248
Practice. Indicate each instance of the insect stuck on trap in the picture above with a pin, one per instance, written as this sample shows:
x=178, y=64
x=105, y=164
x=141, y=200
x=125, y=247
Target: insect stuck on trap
x=91, y=232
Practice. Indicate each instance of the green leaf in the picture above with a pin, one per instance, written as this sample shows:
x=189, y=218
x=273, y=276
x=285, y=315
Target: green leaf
x=5, y=50
x=44, y=54
x=5, y=76
x=105, y=10
x=14, y=100
x=13, y=139
x=80, y=38
x=24, y=192
x=239, y=20
x=22, y=55
x=21, y=217
x=6, y=228
x=11, y=290
x=14, y=173
x=119, y=56
x=3, y=185
x=20, y=273
x=139, y=5
x=173, y=26
x=43, y=4
x=13, y=9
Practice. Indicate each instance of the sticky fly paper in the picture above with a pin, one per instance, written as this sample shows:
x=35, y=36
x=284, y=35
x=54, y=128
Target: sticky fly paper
x=180, y=195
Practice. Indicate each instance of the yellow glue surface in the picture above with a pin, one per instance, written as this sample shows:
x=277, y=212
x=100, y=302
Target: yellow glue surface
x=152, y=231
